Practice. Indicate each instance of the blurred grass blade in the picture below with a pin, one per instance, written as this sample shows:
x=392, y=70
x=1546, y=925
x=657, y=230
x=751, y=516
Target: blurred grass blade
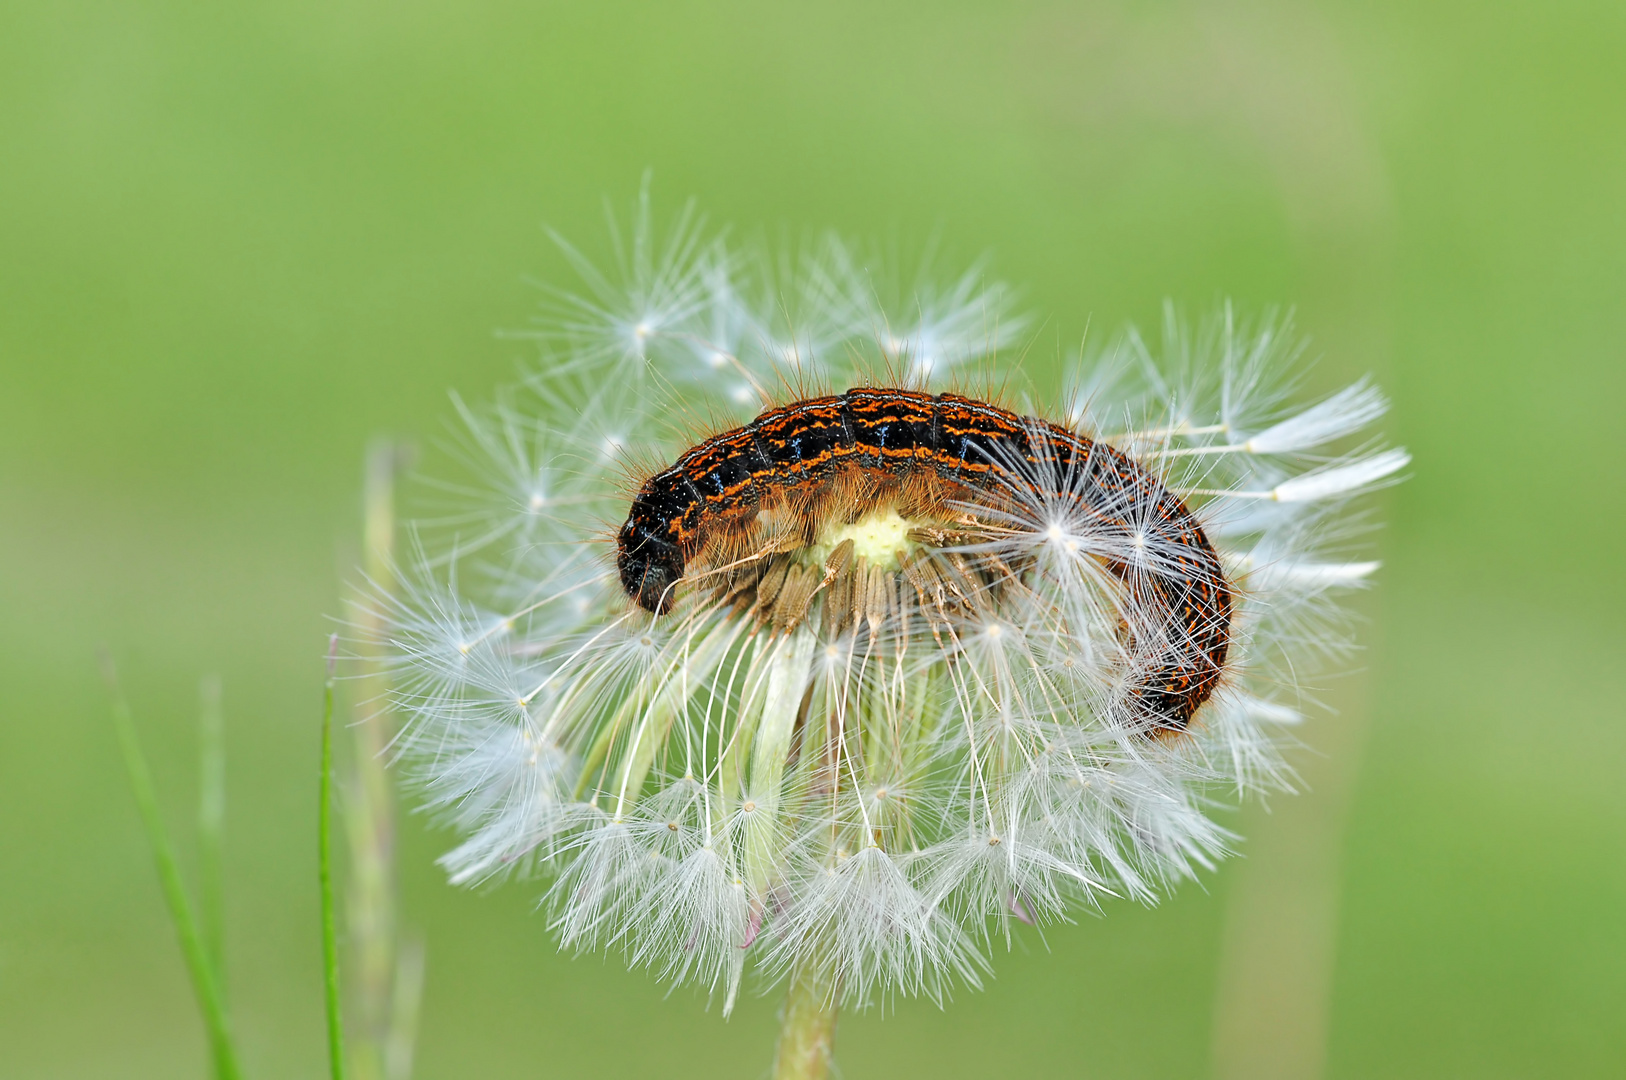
x=212, y=826
x=324, y=847
x=205, y=980
x=380, y=973
x=408, y=996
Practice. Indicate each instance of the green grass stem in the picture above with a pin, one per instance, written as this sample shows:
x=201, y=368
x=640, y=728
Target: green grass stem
x=382, y=970
x=212, y=827
x=205, y=979
x=324, y=828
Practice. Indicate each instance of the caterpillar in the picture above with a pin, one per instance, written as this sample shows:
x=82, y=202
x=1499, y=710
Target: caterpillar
x=970, y=452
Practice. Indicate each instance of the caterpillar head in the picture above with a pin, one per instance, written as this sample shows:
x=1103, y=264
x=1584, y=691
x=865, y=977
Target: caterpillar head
x=648, y=567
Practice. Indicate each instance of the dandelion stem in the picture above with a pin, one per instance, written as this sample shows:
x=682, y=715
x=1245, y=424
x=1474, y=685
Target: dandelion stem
x=205, y=981
x=807, y=1024
x=324, y=849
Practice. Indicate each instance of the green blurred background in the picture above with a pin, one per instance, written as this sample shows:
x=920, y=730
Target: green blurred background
x=238, y=241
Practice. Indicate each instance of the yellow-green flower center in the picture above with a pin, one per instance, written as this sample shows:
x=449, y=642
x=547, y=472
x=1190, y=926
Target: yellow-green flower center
x=878, y=538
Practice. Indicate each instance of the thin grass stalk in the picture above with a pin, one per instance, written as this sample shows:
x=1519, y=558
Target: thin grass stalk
x=404, y=1008
x=212, y=826
x=205, y=980
x=324, y=863
x=384, y=981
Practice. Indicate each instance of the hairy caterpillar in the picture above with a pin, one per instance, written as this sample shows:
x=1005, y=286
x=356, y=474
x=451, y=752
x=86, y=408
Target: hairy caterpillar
x=944, y=450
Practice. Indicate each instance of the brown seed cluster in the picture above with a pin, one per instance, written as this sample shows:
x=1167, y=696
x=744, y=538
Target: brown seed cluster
x=856, y=594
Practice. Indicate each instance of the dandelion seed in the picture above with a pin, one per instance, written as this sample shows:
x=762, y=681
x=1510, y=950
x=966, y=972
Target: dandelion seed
x=883, y=675
x=1342, y=479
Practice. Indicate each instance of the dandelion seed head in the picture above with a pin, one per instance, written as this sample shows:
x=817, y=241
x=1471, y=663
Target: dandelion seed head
x=880, y=721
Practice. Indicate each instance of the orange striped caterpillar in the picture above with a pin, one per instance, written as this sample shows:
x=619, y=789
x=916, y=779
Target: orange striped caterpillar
x=943, y=450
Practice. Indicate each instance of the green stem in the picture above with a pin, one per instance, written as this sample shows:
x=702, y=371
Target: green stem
x=212, y=827
x=205, y=982
x=373, y=972
x=807, y=1025
x=324, y=846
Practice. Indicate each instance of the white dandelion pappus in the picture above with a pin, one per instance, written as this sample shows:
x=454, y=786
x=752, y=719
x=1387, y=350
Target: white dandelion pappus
x=872, y=680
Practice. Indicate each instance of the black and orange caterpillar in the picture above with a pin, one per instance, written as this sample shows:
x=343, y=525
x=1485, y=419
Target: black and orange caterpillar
x=975, y=451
